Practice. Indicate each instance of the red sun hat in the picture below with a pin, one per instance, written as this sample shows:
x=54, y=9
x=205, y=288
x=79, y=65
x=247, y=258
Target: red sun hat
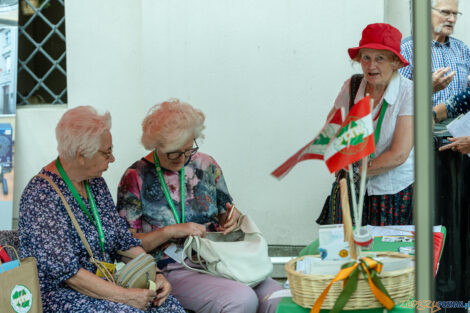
x=380, y=36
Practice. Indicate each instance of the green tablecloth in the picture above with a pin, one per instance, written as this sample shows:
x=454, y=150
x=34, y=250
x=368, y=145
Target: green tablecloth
x=286, y=305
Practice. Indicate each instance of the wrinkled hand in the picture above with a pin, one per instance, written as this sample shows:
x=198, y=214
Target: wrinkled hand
x=460, y=144
x=184, y=230
x=163, y=290
x=440, y=80
x=140, y=298
x=232, y=222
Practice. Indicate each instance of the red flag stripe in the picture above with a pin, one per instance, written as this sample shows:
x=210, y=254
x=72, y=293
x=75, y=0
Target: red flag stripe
x=342, y=158
x=304, y=154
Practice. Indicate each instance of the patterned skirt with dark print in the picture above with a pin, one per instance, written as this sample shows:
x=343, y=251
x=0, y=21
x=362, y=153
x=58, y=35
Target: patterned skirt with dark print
x=384, y=210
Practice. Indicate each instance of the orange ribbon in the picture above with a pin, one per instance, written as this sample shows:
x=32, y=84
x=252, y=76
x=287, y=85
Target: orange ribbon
x=367, y=265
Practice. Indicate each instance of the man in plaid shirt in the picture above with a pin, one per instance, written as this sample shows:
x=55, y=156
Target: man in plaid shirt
x=450, y=56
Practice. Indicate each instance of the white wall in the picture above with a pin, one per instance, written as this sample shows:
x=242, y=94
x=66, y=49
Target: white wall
x=265, y=73
x=104, y=69
x=399, y=14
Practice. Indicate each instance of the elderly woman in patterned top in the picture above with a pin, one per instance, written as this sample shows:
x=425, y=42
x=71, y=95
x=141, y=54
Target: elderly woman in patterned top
x=67, y=278
x=176, y=191
x=453, y=107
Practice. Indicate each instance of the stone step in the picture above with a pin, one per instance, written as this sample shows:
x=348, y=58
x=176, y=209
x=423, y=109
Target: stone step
x=280, y=255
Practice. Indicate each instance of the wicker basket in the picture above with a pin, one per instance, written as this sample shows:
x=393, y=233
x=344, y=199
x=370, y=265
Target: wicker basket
x=306, y=289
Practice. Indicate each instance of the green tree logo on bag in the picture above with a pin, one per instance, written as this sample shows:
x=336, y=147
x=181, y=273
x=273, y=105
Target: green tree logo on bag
x=21, y=299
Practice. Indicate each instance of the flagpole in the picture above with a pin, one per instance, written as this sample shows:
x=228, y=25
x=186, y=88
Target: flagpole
x=362, y=188
x=364, y=173
x=353, y=195
x=351, y=180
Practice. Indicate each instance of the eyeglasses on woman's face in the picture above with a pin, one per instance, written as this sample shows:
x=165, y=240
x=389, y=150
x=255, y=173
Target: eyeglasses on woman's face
x=175, y=155
x=107, y=154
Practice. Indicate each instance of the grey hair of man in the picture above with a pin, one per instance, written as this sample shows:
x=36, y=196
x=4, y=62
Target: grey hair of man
x=435, y=2
x=79, y=131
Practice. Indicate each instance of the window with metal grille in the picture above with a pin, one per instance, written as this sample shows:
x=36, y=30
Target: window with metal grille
x=42, y=76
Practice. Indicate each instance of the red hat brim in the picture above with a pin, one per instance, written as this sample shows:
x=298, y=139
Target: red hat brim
x=376, y=46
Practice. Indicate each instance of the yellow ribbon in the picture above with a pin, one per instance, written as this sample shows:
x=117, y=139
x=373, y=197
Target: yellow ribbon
x=383, y=298
x=366, y=264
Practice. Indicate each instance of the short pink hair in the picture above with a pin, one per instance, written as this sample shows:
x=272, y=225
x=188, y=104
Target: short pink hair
x=170, y=124
x=80, y=130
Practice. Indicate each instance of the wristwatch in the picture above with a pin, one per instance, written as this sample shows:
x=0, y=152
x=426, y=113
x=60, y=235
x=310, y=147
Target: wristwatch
x=434, y=115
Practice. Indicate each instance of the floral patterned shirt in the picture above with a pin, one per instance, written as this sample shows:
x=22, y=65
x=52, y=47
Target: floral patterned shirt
x=142, y=202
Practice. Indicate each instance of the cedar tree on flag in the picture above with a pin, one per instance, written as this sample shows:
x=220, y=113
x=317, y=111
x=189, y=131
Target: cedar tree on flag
x=354, y=140
x=314, y=149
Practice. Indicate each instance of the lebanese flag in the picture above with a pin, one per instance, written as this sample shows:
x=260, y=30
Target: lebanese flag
x=315, y=149
x=354, y=140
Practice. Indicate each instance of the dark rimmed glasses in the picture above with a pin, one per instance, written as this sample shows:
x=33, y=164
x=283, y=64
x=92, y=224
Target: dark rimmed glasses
x=177, y=154
x=447, y=13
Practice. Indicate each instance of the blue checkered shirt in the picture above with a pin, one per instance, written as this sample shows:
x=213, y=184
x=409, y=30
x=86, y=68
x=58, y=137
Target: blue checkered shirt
x=454, y=54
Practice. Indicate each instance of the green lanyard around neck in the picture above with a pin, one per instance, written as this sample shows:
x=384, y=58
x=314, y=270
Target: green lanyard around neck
x=96, y=221
x=378, y=127
x=161, y=179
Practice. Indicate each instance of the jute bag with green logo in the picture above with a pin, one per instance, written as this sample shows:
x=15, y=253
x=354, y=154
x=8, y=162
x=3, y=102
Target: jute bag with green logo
x=19, y=286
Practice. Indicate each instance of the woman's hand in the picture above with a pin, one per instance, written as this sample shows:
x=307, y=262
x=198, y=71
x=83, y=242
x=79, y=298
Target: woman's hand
x=139, y=298
x=184, y=230
x=460, y=144
x=163, y=289
x=231, y=218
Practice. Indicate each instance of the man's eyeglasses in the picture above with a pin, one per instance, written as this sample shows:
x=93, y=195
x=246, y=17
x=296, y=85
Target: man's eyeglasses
x=107, y=154
x=188, y=153
x=447, y=13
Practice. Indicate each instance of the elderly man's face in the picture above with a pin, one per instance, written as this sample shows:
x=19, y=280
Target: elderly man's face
x=443, y=26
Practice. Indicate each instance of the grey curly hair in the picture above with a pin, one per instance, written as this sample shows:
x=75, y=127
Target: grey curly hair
x=168, y=125
x=80, y=130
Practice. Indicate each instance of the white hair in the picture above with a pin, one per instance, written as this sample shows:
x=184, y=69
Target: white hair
x=80, y=130
x=168, y=125
x=435, y=2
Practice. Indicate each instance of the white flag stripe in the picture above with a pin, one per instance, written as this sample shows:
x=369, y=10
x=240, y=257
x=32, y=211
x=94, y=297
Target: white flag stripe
x=329, y=132
x=336, y=145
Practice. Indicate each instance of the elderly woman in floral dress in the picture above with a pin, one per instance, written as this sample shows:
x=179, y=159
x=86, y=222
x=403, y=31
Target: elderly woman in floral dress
x=67, y=277
x=176, y=191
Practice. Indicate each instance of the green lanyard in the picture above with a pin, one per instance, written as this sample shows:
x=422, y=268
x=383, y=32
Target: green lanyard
x=161, y=179
x=379, y=123
x=96, y=221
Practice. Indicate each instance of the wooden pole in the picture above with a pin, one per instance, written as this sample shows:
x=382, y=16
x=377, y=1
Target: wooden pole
x=347, y=222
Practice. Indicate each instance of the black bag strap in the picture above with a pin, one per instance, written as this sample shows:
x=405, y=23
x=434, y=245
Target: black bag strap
x=354, y=87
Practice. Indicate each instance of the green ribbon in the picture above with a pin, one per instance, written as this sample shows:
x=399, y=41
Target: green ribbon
x=351, y=284
x=378, y=127
x=96, y=221
x=161, y=179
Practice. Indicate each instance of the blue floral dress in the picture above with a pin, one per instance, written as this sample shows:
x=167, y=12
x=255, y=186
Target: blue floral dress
x=46, y=233
x=458, y=104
